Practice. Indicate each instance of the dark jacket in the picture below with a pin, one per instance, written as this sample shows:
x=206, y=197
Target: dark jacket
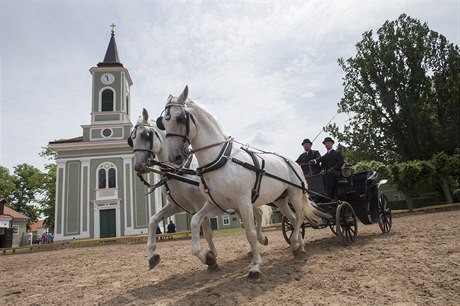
x=171, y=228
x=331, y=160
x=303, y=160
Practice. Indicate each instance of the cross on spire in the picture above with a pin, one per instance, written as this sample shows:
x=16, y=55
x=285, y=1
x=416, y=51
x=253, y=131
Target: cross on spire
x=113, y=27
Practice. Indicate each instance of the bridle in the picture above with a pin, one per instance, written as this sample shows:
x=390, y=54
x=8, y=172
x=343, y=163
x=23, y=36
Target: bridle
x=184, y=118
x=150, y=136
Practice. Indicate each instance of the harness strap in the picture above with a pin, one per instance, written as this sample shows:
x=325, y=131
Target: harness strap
x=218, y=162
x=168, y=192
x=259, y=173
x=253, y=168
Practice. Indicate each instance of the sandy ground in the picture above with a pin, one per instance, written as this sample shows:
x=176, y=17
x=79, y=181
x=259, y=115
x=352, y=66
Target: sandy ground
x=418, y=263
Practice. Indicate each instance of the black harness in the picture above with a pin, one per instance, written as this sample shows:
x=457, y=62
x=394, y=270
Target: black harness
x=223, y=156
x=148, y=136
x=168, y=172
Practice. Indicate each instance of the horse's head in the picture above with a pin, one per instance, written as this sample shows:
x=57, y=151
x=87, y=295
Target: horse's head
x=179, y=125
x=145, y=141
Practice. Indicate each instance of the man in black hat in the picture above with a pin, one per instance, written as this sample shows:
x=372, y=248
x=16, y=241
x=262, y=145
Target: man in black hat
x=332, y=163
x=305, y=157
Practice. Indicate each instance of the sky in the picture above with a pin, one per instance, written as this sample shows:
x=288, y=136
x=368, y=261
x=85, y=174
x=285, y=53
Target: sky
x=266, y=69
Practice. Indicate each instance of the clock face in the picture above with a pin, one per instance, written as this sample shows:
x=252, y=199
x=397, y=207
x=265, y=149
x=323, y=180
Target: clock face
x=107, y=78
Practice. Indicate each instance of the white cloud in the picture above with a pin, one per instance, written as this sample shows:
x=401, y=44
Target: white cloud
x=267, y=70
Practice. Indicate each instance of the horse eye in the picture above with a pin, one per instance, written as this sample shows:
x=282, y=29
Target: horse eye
x=146, y=135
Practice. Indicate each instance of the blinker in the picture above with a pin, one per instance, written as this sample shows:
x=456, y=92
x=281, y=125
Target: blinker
x=160, y=123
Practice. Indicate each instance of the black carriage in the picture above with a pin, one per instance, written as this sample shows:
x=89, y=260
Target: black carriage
x=357, y=199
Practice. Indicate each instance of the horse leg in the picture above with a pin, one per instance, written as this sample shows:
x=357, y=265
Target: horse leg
x=207, y=232
x=258, y=217
x=166, y=211
x=297, y=242
x=209, y=210
x=296, y=239
x=247, y=216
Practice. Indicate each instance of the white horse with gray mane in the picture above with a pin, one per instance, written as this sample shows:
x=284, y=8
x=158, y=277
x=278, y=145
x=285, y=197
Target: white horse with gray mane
x=233, y=177
x=180, y=190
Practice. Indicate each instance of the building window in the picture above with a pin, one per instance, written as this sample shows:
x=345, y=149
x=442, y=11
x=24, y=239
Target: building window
x=106, y=176
x=107, y=101
x=127, y=105
x=226, y=219
x=15, y=229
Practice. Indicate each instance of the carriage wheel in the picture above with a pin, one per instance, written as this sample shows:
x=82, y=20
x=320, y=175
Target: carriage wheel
x=332, y=227
x=385, y=220
x=346, y=225
x=287, y=228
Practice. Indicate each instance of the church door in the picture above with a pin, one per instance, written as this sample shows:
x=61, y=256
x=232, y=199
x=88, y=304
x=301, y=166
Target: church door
x=108, y=223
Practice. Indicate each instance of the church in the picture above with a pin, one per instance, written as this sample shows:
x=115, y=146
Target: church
x=98, y=194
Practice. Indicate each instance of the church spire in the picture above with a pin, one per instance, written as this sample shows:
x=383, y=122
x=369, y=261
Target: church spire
x=111, y=58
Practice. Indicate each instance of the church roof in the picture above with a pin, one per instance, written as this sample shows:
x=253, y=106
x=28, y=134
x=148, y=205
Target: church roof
x=111, y=58
x=75, y=139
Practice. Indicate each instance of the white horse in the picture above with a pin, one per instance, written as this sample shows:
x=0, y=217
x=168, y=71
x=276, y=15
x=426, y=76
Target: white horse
x=228, y=174
x=181, y=191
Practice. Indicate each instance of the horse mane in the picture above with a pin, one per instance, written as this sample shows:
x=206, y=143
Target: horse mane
x=204, y=111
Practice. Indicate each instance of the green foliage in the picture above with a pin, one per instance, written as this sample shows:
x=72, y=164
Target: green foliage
x=402, y=91
x=48, y=201
x=6, y=184
x=412, y=176
x=447, y=165
x=27, y=182
x=382, y=169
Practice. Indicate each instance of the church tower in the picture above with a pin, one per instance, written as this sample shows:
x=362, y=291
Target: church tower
x=110, y=108
x=98, y=194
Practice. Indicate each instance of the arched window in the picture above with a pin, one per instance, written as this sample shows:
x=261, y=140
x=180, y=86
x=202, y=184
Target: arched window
x=106, y=176
x=107, y=101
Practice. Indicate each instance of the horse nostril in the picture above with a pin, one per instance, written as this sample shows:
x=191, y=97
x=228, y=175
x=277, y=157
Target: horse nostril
x=178, y=159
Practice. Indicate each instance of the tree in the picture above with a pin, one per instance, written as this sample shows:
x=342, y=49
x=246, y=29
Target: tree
x=382, y=169
x=27, y=182
x=402, y=90
x=410, y=177
x=446, y=166
x=48, y=201
x=6, y=184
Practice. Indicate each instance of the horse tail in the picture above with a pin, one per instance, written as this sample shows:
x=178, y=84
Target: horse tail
x=312, y=212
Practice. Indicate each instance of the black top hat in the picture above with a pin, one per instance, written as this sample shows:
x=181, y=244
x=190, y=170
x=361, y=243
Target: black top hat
x=306, y=141
x=328, y=139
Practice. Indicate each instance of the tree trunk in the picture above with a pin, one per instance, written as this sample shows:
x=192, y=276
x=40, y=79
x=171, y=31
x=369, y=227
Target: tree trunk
x=445, y=188
x=409, y=201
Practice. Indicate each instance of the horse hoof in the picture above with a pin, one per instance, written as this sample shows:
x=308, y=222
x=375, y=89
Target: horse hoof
x=214, y=268
x=210, y=259
x=155, y=260
x=266, y=241
x=254, y=275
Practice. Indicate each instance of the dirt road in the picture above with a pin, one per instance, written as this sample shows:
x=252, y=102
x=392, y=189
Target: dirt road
x=417, y=263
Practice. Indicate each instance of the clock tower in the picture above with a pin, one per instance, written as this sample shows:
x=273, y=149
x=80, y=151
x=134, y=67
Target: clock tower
x=111, y=103
x=98, y=194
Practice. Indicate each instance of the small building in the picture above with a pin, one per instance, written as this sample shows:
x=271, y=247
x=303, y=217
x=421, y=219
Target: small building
x=38, y=228
x=13, y=225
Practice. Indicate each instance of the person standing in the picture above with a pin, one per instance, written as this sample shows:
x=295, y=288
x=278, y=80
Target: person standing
x=304, y=159
x=171, y=227
x=332, y=163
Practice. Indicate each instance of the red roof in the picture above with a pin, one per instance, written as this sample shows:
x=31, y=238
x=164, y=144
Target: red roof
x=39, y=224
x=11, y=212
